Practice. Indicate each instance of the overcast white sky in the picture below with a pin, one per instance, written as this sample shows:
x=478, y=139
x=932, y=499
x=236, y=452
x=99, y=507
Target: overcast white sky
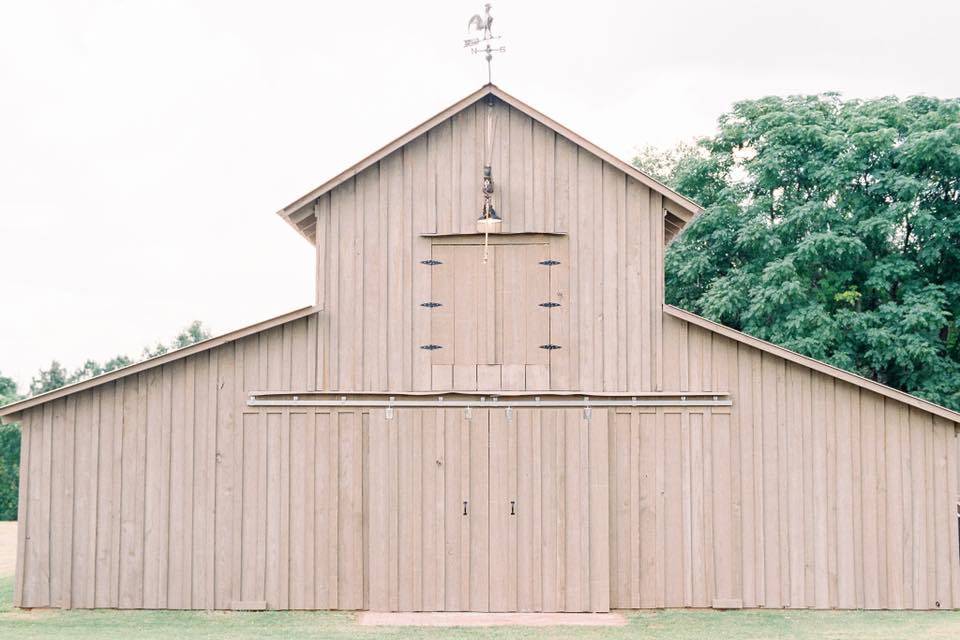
x=145, y=146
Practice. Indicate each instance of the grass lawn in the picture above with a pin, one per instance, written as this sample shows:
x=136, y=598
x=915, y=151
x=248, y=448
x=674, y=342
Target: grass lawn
x=677, y=625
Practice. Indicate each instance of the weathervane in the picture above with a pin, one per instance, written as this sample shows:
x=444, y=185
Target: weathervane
x=482, y=44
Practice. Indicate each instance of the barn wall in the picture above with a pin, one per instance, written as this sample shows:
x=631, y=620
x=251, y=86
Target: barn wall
x=812, y=493
x=129, y=490
x=374, y=230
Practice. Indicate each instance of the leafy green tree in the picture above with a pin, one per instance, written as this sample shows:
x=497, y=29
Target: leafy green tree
x=9, y=454
x=192, y=333
x=832, y=227
x=49, y=379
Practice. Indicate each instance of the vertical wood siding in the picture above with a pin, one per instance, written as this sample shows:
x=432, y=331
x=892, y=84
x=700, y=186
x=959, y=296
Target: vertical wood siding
x=810, y=493
x=133, y=492
x=374, y=230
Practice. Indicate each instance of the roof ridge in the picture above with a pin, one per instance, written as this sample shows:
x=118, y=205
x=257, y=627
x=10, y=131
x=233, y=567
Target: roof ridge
x=292, y=213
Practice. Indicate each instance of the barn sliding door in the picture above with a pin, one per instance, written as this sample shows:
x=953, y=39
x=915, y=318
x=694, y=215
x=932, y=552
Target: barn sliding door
x=494, y=510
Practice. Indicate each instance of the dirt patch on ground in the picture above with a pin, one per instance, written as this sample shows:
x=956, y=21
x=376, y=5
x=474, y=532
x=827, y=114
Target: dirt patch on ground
x=8, y=548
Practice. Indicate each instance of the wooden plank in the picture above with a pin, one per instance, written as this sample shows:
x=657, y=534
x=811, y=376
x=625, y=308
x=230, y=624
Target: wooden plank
x=589, y=357
x=795, y=506
x=116, y=452
x=697, y=525
x=599, y=518
x=620, y=494
x=451, y=463
x=536, y=514
x=644, y=435
x=551, y=567
x=745, y=362
x=28, y=433
x=212, y=457
x=58, y=510
x=613, y=199
x=310, y=507
x=250, y=588
x=273, y=424
x=132, y=483
x=431, y=512
x=443, y=329
x=82, y=506
x=420, y=283
x=868, y=519
x=67, y=472
x=501, y=588
x=560, y=317
x=410, y=551
x=944, y=550
x=225, y=477
x=324, y=554
x=351, y=512
x=771, y=482
x=723, y=557
x=467, y=165
x=894, y=522
x=511, y=477
x=953, y=497
x=857, y=508
x=163, y=507
x=918, y=455
x=672, y=510
x=535, y=280
x=478, y=510
x=301, y=476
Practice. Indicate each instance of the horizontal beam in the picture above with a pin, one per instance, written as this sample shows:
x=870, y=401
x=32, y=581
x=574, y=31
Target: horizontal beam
x=494, y=403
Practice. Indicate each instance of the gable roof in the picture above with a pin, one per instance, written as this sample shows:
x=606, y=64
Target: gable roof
x=297, y=213
x=137, y=367
x=816, y=365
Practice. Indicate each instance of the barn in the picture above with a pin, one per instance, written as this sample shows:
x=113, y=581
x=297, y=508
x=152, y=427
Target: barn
x=489, y=407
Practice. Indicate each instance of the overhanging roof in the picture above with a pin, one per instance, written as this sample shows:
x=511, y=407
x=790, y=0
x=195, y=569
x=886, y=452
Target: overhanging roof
x=680, y=209
x=198, y=347
x=816, y=365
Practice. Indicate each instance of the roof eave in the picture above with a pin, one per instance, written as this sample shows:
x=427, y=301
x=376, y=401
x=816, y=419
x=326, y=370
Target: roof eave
x=816, y=365
x=14, y=408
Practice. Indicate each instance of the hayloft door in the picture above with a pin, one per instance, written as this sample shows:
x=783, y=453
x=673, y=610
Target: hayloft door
x=490, y=320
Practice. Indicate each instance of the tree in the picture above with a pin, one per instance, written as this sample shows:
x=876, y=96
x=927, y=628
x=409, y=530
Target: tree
x=832, y=228
x=49, y=379
x=9, y=454
x=190, y=334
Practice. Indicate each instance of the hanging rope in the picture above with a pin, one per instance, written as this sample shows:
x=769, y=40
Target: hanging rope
x=487, y=188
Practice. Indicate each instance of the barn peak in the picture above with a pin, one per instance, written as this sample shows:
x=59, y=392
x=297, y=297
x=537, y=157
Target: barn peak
x=300, y=213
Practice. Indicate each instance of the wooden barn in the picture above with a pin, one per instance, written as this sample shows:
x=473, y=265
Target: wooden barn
x=488, y=408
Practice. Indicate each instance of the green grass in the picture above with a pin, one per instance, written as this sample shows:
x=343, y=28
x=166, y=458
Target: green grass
x=676, y=625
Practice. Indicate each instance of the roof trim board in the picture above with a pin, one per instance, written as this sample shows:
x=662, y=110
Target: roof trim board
x=137, y=367
x=816, y=365
x=681, y=206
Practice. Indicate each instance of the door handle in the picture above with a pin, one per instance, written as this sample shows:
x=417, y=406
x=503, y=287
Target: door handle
x=513, y=507
x=464, y=507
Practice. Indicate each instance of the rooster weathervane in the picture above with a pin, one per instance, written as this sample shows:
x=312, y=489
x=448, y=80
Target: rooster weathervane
x=482, y=44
